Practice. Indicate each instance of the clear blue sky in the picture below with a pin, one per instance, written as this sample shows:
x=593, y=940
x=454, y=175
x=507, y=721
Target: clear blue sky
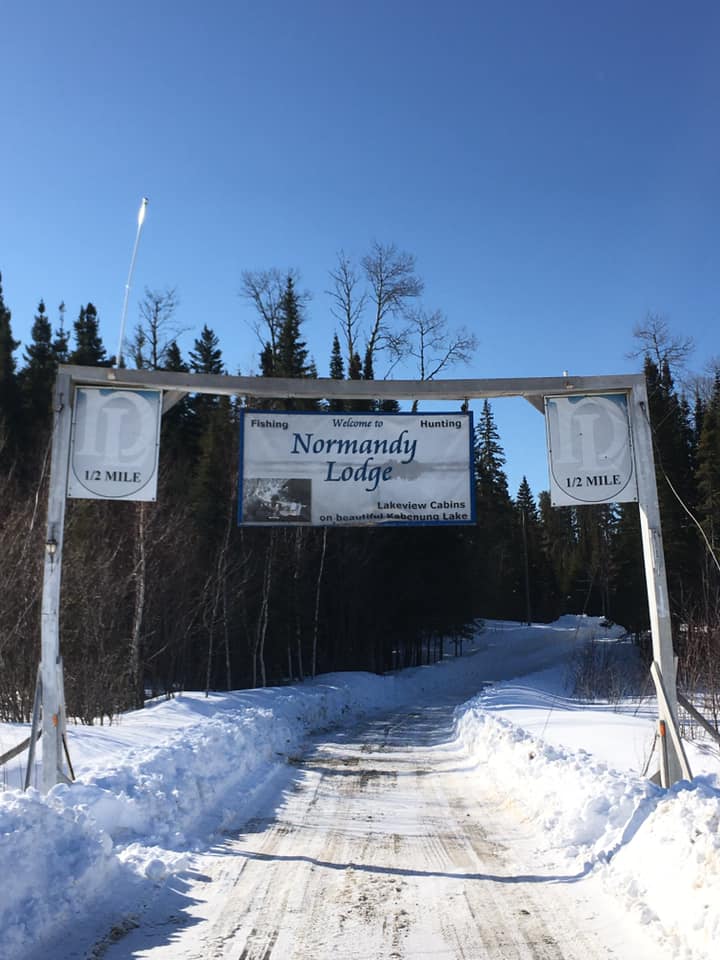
x=554, y=167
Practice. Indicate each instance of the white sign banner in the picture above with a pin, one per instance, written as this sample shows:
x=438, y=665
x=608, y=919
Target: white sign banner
x=590, y=455
x=343, y=469
x=115, y=444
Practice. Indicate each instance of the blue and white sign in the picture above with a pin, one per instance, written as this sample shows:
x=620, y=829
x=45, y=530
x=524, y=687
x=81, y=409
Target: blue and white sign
x=590, y=454
x=343, y=469
x=115, y=444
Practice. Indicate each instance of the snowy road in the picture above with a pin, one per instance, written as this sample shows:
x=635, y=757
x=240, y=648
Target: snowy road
x=382, y=844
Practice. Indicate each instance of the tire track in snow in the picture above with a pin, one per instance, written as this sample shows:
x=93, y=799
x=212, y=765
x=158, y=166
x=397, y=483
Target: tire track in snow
x=386, y=847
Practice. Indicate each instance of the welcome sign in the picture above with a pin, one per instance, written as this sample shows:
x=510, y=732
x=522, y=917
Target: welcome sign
x=342, y=469
x=590, y=453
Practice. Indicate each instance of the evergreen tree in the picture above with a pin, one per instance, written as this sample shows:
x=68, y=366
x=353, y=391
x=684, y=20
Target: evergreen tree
x=174, y=360
x=267, y=361
x=536, y=592
x=526, y=501
x=490, y=476
x=61, y=343
x=355, y=373
x=559, y=544
x=595, y=526
x=290, y=358
x=673, y=461
x=690, y=440
x=206, y=355
x=494, y=560
x=215, y=474
x=10, y=421
x=382, y=406
x=337, y=365
x=38, y=375
x=367, y=372
x=206, y=443
x=179, y=440
x=89, y=349
x=708, y=474
x=292, y=354
x=355, y=367
x=527, y=520
x=629, y=593
x=211, y=447
x=709, y=469
x=697, y=420
x=337, y=372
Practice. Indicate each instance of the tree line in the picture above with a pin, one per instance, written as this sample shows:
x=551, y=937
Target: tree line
x=159, y=597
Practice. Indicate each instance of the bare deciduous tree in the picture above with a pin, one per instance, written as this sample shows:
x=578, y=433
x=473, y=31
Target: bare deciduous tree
x=702, y=385
x=20, y=586
x=660, y=344
x=382, y=291
x=393, y=283
x=156, y=329
x=348, y=303
x=434, y=346
x=265, y=289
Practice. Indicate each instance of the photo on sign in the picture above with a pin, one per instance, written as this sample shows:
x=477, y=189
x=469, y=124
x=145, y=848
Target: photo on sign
x=279, y=499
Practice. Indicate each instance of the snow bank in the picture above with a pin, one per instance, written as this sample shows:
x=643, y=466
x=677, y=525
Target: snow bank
x=136, y=819
x=657, y=850
x=155, y=786
x=53, y=858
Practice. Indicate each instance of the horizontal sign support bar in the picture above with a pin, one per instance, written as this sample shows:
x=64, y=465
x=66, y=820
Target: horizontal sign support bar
x=326, y=388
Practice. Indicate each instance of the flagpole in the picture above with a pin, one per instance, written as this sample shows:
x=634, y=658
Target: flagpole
x=140, y=221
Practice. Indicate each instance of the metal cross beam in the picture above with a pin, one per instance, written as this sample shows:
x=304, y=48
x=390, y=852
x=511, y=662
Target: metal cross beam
x=326, y=388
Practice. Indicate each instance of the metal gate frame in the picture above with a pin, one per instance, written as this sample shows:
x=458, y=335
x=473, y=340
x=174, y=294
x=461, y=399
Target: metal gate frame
x=174, y=386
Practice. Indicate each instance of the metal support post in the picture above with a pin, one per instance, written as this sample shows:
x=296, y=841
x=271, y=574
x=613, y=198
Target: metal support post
x=52, y=707
x=656, y=578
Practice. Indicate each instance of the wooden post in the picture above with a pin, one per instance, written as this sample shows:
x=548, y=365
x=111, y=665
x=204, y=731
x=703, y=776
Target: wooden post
x=50, y=618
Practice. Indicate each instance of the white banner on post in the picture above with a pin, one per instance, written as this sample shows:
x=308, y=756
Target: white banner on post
x=343, y=469
x=115, y=444
x=590, y=455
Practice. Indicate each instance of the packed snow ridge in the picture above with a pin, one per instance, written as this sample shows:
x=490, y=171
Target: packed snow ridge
x=159, y=784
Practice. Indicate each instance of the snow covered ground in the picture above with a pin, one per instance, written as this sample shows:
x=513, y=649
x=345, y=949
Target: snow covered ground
x=158, y=786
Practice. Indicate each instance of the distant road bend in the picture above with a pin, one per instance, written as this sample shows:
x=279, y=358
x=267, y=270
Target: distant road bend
x=385, y=844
